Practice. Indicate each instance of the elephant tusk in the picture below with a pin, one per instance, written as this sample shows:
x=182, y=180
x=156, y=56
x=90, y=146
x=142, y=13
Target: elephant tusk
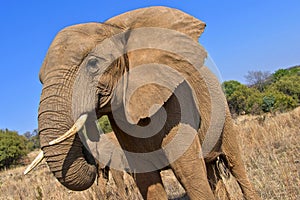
x=75, y=128
x=34, y=163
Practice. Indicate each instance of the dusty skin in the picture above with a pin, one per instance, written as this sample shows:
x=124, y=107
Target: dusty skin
x=101, y=68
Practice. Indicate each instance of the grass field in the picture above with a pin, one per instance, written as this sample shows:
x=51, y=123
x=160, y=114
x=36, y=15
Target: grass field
x=271, y=151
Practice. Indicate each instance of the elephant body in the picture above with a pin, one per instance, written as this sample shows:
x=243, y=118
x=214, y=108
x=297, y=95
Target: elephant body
x=102, y=69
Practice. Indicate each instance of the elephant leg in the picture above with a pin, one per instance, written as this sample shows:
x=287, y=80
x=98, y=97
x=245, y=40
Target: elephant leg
x=233, y=154
x=189, y=168
x=150, y=185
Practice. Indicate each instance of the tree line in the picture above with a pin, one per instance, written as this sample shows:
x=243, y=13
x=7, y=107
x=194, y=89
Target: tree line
x=14, y=146
x=265, y=92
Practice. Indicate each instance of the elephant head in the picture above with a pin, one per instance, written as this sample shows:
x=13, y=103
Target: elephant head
x=70, y=162
x=89, y=65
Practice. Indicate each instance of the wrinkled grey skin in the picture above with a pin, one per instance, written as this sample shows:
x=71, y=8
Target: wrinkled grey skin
x=80, y=75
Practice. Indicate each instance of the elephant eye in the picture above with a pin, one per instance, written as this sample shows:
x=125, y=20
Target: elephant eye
x=92, y=65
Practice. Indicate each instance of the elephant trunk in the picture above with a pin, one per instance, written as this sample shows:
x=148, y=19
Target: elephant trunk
x=69, y=161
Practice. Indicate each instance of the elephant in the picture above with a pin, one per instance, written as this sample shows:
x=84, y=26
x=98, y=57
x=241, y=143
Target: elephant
x=97, y=69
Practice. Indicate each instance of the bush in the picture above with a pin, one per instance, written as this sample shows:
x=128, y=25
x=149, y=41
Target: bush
x=230, y=87
x=12, y=148
x=104, y=124
x=277, y=75
x=268, y=103
x=282, y=102
x=289, y=85
x=242, y=99
x=279, y=92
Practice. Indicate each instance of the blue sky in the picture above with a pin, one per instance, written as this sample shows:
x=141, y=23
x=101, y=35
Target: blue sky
x=240, y=36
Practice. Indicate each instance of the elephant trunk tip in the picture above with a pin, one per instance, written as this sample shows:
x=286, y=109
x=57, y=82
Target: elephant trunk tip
x=79, y=177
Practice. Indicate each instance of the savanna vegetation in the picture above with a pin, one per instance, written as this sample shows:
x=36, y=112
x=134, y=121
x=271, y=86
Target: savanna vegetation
x=265, y=112
x=265, y=92
x=270, y=149
x=14, y=146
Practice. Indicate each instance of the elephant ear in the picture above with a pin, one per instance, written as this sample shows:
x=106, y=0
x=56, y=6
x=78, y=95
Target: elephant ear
x=162, y=17
x=161, y=41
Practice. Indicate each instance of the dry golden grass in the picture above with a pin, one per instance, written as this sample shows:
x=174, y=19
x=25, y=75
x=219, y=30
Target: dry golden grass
x=271, y=152
x=41, y=184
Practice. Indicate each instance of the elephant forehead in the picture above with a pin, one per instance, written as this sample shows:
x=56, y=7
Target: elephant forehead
x=72, y=44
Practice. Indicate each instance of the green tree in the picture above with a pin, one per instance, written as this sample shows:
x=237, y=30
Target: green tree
x=278, y=92
x=230, y=87
x=12, y=147
x=282, y=102
x=244, y=100
x=104, y=124
x=254, y=102
x=294, y=70
x=289, y=85
x=279, y=73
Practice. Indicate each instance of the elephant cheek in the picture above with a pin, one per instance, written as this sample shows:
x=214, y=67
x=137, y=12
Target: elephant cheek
x=84, y=98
